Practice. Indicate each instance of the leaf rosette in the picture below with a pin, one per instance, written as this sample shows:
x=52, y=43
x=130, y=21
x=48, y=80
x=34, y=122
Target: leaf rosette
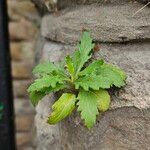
x=89, y=81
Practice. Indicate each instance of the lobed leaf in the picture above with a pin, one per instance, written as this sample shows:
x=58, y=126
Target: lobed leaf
x=70, y=66
x=62, y=108
x=94, y=82
x=104, y=76
x=115, y=75
x=87, y=105
x=45, y=68
x=103, y=100
x=91, y=69
x=36, y=96
x=45, y=82
x=83, y=52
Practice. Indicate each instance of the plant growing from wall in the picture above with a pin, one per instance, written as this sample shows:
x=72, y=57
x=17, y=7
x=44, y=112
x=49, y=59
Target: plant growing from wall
x=83, y=84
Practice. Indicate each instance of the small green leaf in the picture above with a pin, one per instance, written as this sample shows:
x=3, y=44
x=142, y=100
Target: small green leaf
x=94, y=82
x=45, y=82
x=45, y=68
x=84, y=48
x=92, y=68
x=103, y=100
x=70, y=66
x=62, y=108
x=87, y=105
x=36, y=96
x=115, y=75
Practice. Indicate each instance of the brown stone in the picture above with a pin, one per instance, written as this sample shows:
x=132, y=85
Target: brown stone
x=20, y=88
x=11, y=10
x=28, y=51
x=22, y=30
x=15, y=48
x=24, y=123
x=23, y=50
x=21, y=70
x=17, y=9
x=23, y=107
x=23, y=138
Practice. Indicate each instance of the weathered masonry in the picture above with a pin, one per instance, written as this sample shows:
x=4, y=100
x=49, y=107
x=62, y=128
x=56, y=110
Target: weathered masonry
x=125, y=41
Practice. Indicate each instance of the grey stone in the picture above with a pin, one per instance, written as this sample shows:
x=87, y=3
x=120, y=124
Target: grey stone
x=120, y=129
x=125, y=126
x=48, y=137
x=133, y=58
x=55, y=52
x=72, y=3
x=108, y=23
x=23, y=107
x=124, y=41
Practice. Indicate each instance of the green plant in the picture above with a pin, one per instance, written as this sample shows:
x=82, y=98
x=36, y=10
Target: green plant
x=82, y=83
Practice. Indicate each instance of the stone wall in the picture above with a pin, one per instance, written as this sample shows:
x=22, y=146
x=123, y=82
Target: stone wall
x=125, y=41
x=23, y=30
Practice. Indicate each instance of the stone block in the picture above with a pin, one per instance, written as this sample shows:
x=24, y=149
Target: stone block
x=24, y=123
x=124, y=126
x=16, y=51
x=54, y=51
x=23, y=139
x=23, y=107
x=19, y=9
x=124, y=41
x=115, y=25
x=28, y=51
x=73, y=3
x=22, y=30
x=22, y=51
x=21, y=70
x=20, y=88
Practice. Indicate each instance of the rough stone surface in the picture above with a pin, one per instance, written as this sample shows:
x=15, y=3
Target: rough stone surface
x=125, y=126
x=21, y=70
x=15, y=48
x=24, y=123
x=20, y=88
x=44, y=131
x=23, y=107
x=134, y=59
x=115, y=25
x=121, y=129
x=22, y=30
x=124, y=41
x=54, y=51
x=72, y=3
x=24, y=9
x=28, y=51
x=23, y=139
